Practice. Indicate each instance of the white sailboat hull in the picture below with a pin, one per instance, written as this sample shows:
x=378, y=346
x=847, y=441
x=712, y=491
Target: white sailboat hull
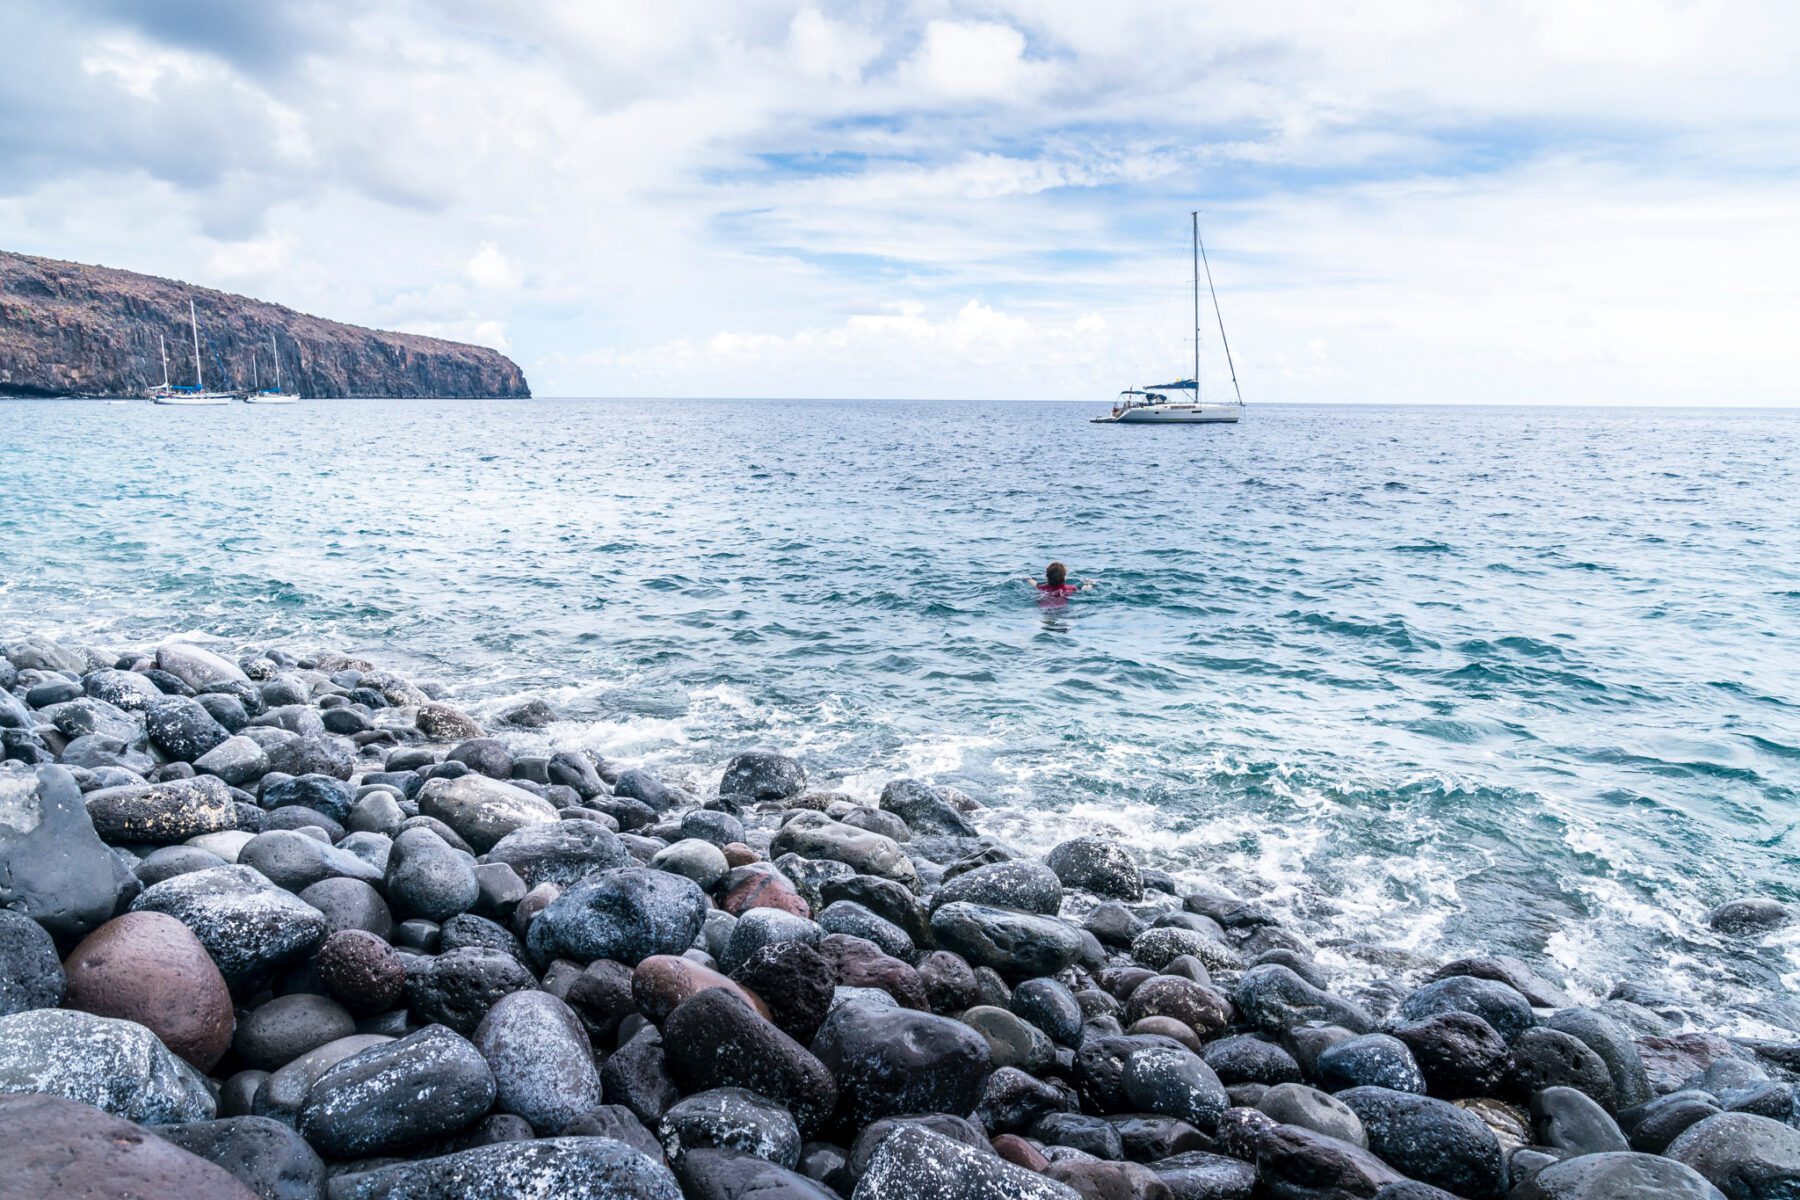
x=194, y=399
x=1173, y=414
x=269, y=398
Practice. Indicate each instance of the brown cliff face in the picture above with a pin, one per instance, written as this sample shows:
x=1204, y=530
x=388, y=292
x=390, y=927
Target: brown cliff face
x=70, y=329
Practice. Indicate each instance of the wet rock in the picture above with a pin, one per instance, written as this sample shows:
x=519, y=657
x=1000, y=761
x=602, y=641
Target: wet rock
x=1309, y=1108
x=1198, y=1175
x=1097, y=865
x=1201, y=1008
x=1458, y=1053
x=1750, y=916
x=1161, y=945
x=54, y=1147
x=1249, y=1059
x=1012, y=1041
x=295, y=860
x=1545, y=1058
x=197, y=666
x=1505, y=1010
x=53, y=867
x=1612, y=1043
x=282, y=1092
x=715, y=1040
x=795, y=982
x=1300, y=1164
x=360, y=970
x=1652, y=1126
x=700, y=861
x=886, y=899
x=1175, y=1083
x=350, y=904
x=646, y=788
x=1049, y=1005
x=428, y=879
x=626, y=915
x=1616, y=1177
x=542, y=1061
x=914, y=1163
x=876, y=821
x=248, y=925
x=1372, y=1060
x=182, y=728
x=763, y=774
x=30, y=975
x=235, y=761
x=111, y=1064
x=442, y=723
x=457, y=988
x=1013, y=1100
x=1511, y=971
x=1745, y=1156
x=731, y=1119
x=483, y=811
x=396, y=1095
x=162, y=813
x=637, y=1076
x=1147, y=1138
x=759, y=927
x=264, y=1155
x=320, y=754
x=859, y=963
x=848, y=917
x=276, y=1033
x=663, y=981
x=761, y=887
x=1431, y=1140
x=1109, y=1180
x=124, y=690
x=1670, y=1061
x=890, y=1062
x=564, y=1168
x=923, y=810
x=321, y=793
x=1016, y=944
x=728, y=1175
x=1273, y=999
x=1572, y=1121
x=949, y=982
x=813, y=835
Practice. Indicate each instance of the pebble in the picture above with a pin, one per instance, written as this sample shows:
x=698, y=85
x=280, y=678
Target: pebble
x=30, y=974
x=266, y=1156
x=276, y=1033
x=149, y=968
x=626, y=915
x=248, y=925
x=542, y=1062
x=396, y=1095
x=731, y=1119
x=890, y=1062
x=716, y=1040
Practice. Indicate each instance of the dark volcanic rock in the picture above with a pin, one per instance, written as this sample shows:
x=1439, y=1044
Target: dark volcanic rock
x=715, y=1040
x=280, y=1031
x=1097, y=865
x=890, y=1062
x=162, y=813
x=360, y=970
x=1750, y=916
x=458, y=988
x=1617, y=1177
x=1298, y=1164
x=626, y=915
x=1572, y=1121
x=637, y=1076
x=115, y=1065
x=397, y=1095
x=763, y=774
x=1373, y=1060
x=564, y=853
x=30, y=975
x=923, y=810
x=564, y=1168
x=426, y=878
x=181, y=728
x=1199, y=1175
x=1612, y=1042
x=1273, y=998
x=1016, y=944
x=53, y=867
x=726, y=1175
x=542, y=1061
x=663, y=981
x=266, y=1156
x=1027, y=886
x=481, y=810
x=1505, y=1010
x=1430, y=1140
x=914, y=1163
x=1458, y=1053
x=731, y=1119
x=1747, y=1157
x=54, y=1147
x=1543, y=1058
x=247, y=924
x=1175, y=1083
x=795, y=981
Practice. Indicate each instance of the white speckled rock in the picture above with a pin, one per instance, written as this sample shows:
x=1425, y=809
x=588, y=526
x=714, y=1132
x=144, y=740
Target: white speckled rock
x=914, y=1163
x=483, y=810
x=115, y=1065
x=196, y=666
x=542, y=1061
x=573, y=1168
x=397, y=1095
x=245, y=922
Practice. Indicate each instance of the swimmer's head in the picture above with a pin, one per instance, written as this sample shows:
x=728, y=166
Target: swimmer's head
x=1056, y=574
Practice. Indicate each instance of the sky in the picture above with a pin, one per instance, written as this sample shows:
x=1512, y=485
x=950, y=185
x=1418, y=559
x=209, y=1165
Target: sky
x=1441, y=201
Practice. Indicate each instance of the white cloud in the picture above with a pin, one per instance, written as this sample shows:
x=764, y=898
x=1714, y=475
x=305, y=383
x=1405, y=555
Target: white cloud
x=828, y=49
x=488, y=267
x=975, y=60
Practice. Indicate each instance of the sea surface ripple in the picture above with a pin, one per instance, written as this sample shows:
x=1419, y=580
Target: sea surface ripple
x=1448, y=679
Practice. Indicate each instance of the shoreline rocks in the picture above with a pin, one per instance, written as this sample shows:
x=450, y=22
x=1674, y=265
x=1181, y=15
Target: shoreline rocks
x=422, y=959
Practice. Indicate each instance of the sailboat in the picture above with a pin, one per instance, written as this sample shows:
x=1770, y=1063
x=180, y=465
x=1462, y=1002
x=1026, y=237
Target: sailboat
x=274, y=395
x=164, y=388
x=1153, y=405
x=182, y=393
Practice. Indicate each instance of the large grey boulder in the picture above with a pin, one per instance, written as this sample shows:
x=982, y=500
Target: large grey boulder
x=114, y=1065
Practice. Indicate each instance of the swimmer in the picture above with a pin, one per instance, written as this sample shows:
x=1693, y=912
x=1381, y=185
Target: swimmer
x=1056, y=582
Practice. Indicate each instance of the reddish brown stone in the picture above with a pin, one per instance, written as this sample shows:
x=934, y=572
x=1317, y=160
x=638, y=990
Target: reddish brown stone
x=739, y=855
x=858, y=962
x=57, y=1147
x=362, y=972
x=751, y=888
x=1201, y=1008
x=663, y=981
x=147, y=967
x=1021, y=1153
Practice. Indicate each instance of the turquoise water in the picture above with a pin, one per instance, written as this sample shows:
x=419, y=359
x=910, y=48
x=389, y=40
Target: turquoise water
x=1442, y=678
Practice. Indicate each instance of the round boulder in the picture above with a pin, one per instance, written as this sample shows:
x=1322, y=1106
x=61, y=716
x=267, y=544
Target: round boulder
x=149, y=968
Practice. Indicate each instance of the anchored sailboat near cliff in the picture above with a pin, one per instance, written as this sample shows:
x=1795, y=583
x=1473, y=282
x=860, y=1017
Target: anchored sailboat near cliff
x=1153, y=406
x=262, y=395
x=186, y=394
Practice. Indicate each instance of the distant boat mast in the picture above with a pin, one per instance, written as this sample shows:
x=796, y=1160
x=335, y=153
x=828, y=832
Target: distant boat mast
x=163, y=346
x=194, y=321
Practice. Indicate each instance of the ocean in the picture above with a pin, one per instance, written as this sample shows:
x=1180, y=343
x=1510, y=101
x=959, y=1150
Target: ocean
x=1445, y=679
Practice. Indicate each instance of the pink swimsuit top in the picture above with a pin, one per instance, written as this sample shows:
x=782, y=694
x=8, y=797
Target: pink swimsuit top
x=1061, y=590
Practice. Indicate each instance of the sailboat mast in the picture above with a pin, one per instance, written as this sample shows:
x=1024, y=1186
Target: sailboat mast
x=1196, y=215
x=276, y=355
x=1217, y=311
x=255, y=371
x=195, y=322
x=163, y=346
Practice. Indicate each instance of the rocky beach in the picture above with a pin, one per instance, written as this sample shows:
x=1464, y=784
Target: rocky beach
x=285, y=924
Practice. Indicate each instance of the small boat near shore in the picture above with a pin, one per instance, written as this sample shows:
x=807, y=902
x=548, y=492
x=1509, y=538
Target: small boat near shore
x=1154, y=405
x=271, y=395
x=186, y=395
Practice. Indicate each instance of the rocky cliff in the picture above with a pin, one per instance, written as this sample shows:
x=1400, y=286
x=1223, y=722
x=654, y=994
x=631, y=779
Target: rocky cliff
x=69, y=329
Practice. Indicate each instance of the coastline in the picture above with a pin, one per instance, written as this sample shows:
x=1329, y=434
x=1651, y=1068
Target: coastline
x=334, y=857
